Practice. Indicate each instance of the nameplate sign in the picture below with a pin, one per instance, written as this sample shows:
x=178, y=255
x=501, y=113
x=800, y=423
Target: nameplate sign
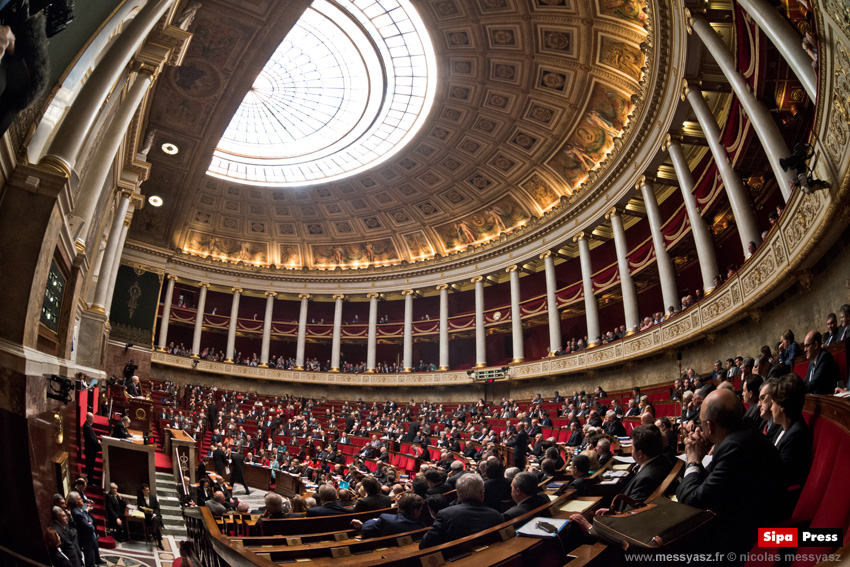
x=507, y=533
x=339, y=536
x=404, y=540
x=432, y=560
x=337, y=552
x=293, y=541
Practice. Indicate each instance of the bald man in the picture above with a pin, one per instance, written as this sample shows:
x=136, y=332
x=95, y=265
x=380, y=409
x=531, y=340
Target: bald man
x=92, y=444
x=741, y=483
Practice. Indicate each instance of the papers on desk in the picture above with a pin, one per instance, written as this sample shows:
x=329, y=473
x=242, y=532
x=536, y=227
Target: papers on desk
x=609, y=482
x=134, y=512
x=624, y=459
x=542, y=527
x=575, y=506
x=138, y=438
x=621, y=467
x=615, y=474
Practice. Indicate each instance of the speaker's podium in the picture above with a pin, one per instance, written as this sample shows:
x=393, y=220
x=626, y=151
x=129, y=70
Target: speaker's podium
x=128, y=463
x=139, y=410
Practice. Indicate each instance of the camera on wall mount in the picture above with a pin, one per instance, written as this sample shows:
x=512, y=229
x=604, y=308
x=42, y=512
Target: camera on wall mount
x=59, y=388
x=798, y=161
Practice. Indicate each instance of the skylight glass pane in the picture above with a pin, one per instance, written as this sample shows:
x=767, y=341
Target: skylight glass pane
x=334, y=98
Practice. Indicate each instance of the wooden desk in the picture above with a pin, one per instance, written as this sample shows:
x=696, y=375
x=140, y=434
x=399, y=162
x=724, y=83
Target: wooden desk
x=257, y=476
x=287, y=484
x=128, y=463
x=184, y=464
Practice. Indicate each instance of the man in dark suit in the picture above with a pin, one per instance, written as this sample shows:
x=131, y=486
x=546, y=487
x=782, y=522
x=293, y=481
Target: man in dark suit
x=520, y=445
x=373, y=500
x=86, y=534
x=92, y=446
x=456, y=470
x=212, y=415
x=134, y=389
x=743, y=468
x=832, y=334
x=67, y=537
x=412, y=432
x=330, y=504
x=653, y=467
x=524, y=493
x=115, y=507
x=822, y=375
x=409, y=508
x=497, y=488
x=612, y=425
x=219, y=460
x=468, y=517
x=119, y=430
x=274, y=511
x=789, y=349
x=237, y=470
x=149, y=504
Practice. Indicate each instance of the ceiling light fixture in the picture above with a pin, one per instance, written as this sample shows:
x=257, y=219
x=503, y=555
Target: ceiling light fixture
x=155, y=200
x=170, y=149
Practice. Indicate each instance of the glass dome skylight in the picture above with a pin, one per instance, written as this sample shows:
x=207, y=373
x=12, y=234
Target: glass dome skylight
x=349, y=86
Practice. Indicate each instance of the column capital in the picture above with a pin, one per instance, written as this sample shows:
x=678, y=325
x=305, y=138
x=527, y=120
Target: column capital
x=442, y=286
x=236, y=289
x=171, y=277
x=373, y=295
x=126, y=193
x=338, y=296
x=512, y=269
x=641, y=182
x=477, y=279
x=613, y=212
x=581, y=236
x=407, y=292
x=666, y=142
x=204, y=284
x=686, y=89
x=271, y=294
x=545, y=254
x=305, y=296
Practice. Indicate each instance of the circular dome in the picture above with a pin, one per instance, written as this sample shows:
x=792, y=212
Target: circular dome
x=344, y=91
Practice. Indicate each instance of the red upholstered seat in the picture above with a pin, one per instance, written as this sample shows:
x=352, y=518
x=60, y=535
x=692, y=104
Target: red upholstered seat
x=177, y=562
x=106, y=542
x=824, y=501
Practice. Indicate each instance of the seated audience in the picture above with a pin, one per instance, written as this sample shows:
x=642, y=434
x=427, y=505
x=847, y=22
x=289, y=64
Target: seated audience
x=149, y=504
x=329, y=503
x=750, y=388
x=742, y=470
x=794, y=440
x=373, y=500
x=524, y=493
x=275, y=509
x=580, y=470
x=410, y=507
x=468, y=517
x=822, y=374
x=788, y=348
x=497, y=489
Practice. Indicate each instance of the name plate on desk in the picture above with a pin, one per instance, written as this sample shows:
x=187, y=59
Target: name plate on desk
x=293, y=541
x=337, y=552
x=340, y=536
x=507, y=533
x=404, y=540
x=433, y=560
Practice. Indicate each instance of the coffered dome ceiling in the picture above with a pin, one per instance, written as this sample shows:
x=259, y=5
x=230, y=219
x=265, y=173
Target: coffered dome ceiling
x=535, y=100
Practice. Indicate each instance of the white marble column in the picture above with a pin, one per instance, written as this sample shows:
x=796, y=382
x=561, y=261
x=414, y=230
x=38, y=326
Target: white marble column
x=627, y=284
x=199, y=320
x=591, y=308
x=786, y=40
x=763, y=123
x=302, y=331
x=231, y=328
x=480, y=335
x=116, y=261
x=745, y=219
x=699, y=229
x=552, y=303
x=336, y=341
x=166, y=314
x=444, y=326
x=102, y=161
x=113, y=246
x=372, y=340
x=666, y=275
x=65, y=148
x=407, y=350
x=516, y=316
x=267, y=329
